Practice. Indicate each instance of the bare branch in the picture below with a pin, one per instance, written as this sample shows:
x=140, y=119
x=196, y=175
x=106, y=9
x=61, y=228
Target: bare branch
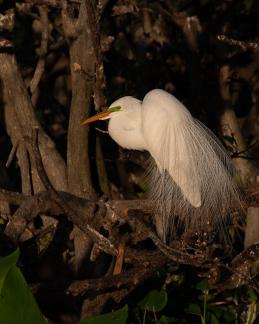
x=43, y=49
x=11, y=155
x=244, y=45
x=103, y=243
x=147, y=265
x=7, y=20
x=13, y=198
x=51, y=3
x=23, y=117
x=101, y=6
x=240, y=268
x=78, y=165
x=99, y=98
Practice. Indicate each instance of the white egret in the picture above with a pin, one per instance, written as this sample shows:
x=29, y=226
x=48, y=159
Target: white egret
x=191, y=174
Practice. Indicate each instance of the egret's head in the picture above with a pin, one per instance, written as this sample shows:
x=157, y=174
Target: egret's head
x=119, y=107
x=124, y=126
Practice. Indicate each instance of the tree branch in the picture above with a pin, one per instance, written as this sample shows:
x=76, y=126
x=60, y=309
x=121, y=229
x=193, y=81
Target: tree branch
x=102, y=242
x=78, y=165
x=233, y=42
x=51, y=3
x=23, y=118
x=38, y=73
x=92, y=19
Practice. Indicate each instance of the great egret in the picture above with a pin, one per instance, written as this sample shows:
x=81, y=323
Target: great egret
x=191, y=174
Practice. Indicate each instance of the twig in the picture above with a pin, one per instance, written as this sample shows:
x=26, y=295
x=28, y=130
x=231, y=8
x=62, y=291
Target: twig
x=43, y=49
x=237, y=154
x=245, y=157
x=120, y=259
x=11, y=155
x=101, y=6
x=233, y=42
x=6, y=46
x=95, y=305
x=25, y=168
x=7, y=20
x=145, y=268
x=51, y=3
x=13, y=198
x=101, y=168
x=240, y=267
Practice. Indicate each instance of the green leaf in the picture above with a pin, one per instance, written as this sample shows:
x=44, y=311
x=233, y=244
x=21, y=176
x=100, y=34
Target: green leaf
x=17, y=304
x=230, y=149
x=202, y=285
x=5, y=264
x=216, y=311
x=230, y=139
x=114, y=109
x=229, y=314
x=170, y=320
x=143, y=185
x=252, y=295
x=165, y=320
x=154, y=301
x=248, y=4
x=117, y=317
x=180, y=321
x=204, y=2
x=193, y=309
x=213, y=319
x=251, y=313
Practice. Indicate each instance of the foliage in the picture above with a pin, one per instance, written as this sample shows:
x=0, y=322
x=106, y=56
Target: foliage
x=196, y=304
x=154, y=301
x=117, y=317
x=17, y=304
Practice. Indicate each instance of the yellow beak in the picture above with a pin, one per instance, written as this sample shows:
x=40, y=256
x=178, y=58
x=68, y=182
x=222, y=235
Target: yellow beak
x=99, y=116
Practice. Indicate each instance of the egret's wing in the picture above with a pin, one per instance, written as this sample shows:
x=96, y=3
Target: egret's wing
x=193, y=168
x=164, y=129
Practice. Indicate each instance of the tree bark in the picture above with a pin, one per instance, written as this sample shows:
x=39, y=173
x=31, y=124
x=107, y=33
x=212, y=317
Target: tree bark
x=246, y=172
x=22, y=117
x=82, y=67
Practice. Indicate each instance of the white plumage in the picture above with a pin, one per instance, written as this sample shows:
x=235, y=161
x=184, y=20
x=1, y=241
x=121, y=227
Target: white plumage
x=191, y=176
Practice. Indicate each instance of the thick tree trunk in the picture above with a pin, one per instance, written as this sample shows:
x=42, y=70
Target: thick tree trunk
x=82, y=67
x=247, y=173
x=21, y=118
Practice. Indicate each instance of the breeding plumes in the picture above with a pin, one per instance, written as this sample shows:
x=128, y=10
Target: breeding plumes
x=190, y=175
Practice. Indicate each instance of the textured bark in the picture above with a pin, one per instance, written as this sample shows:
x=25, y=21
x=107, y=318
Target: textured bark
x=252, y=226
x=22, y=117
x=82, y=67
x=246, y=171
